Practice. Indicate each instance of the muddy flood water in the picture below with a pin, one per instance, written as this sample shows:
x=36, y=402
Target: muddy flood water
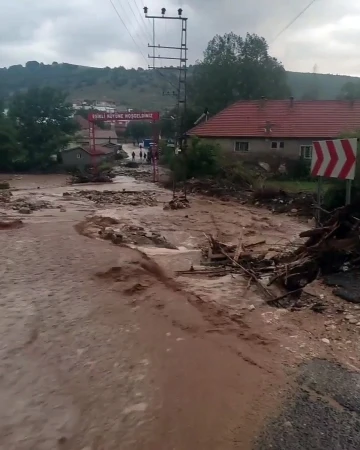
x=107, y=344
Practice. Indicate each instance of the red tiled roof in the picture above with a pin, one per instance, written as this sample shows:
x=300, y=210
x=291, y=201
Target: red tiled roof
x=283, y=119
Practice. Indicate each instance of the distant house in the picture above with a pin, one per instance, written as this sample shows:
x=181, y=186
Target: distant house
x=279, y=127
x=81, y=156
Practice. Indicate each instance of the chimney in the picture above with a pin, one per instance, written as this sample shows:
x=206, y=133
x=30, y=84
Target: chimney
x=291, y=101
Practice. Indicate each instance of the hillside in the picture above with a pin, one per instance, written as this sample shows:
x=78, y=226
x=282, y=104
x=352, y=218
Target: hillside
x=137, y=88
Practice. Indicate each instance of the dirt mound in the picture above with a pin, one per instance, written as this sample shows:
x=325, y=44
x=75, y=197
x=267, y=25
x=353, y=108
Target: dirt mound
x=11, y=224
x=90, y=227
x=4, y=185
x=24, y=205
x=137, y=275
x=215, y=188
x=103, y=227
x=131, y=198
x=92, y=175
x=177, y=203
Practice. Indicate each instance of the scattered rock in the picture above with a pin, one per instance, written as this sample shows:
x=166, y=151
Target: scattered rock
x=4, y=185
x=325, y=341
x=117, y=238
x=132, y=198
x=251, y=308
x=62, y=210
x=24, y=210
x=177, y=203
x=294, y=211
x=349, y=317
x=139, y=407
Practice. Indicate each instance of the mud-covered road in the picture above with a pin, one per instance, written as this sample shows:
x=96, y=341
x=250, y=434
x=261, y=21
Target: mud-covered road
x=104, y=347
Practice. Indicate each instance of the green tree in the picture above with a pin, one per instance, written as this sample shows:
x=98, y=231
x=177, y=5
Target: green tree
x=169, y=122
x=139, y=130
x=9, y=149
x=44, y=123
x=236, y=68
x=313, y=90
x=350, y=91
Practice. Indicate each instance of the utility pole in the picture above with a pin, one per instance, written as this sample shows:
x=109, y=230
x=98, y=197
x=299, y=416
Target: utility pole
x=179, y=54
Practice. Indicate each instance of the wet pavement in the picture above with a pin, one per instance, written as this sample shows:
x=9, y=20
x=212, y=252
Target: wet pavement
x=321, y=412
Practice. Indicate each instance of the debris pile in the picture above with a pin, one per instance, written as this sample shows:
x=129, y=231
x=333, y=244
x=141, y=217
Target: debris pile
x=5, y=197
x=280, y=201
x=21, y=204
x=92, y=175
x=177, y=203
x=132, y=198
x=219, y=188
x=144, y=172
x=26, y=206
x=119, y=233
x=333, y=247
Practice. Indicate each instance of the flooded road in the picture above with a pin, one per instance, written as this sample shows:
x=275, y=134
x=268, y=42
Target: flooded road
x=105, y=346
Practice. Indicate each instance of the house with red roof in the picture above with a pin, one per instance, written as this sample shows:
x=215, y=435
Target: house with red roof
x=287, y=128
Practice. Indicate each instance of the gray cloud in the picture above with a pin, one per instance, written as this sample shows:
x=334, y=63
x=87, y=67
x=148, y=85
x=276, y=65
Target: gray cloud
x=89, y=31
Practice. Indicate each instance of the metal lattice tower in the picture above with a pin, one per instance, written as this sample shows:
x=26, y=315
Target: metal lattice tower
x=180, y=55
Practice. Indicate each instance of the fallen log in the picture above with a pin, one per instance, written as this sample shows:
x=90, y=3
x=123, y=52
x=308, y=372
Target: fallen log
x=313, y=232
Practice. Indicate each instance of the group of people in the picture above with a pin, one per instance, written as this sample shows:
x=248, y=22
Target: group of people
x=141, y=154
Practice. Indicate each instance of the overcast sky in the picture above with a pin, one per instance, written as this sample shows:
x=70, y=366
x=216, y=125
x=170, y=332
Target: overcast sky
x=88, y=32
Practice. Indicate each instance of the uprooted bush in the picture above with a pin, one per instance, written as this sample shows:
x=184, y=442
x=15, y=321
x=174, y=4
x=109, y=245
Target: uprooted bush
x=4, y=185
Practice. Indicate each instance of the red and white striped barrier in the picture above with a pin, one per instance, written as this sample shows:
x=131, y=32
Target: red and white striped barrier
x=334, y=159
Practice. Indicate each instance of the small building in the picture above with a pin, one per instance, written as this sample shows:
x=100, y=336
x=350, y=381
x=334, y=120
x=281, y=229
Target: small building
x=80, y=156
x=285, y=128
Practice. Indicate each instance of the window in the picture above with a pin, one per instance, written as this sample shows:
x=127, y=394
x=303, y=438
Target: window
x=242, y=146
x=306, y=151
x=275, y=145
x=79, y=156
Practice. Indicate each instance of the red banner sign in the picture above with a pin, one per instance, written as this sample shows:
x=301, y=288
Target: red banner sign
x=119, y=116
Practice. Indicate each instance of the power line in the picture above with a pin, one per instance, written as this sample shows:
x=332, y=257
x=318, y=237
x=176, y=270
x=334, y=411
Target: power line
x=137, y=30
x=140, y=9
x=136, y=18
x=137, y=45
x=293, y=20
x=127, y=29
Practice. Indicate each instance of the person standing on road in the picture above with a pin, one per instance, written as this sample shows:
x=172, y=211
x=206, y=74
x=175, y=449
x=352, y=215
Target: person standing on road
x=140, y=154
x=133, y=156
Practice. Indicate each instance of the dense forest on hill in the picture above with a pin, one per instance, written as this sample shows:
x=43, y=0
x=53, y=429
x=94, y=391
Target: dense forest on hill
x=139, y=88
